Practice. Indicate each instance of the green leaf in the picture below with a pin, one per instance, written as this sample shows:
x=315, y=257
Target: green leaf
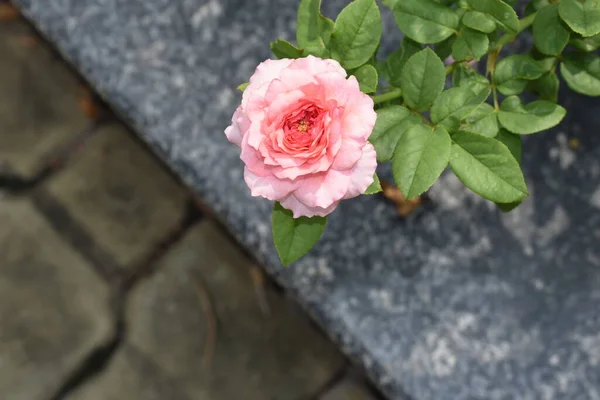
x=312, y=29
x=512, y=142
x=395, y=61
x=421, y=156
x=530, y=118
x=453, y=105
x=447, y=2
x=465, y=76
x=470, y=45
x=501, y=12
x=294, y=237
x=511, y=73
x=284, y=49
x=582, y=73
x=507, y=207
x=443, y=49
x=591, y=43
x=518, y=66
x=537, y=5
x=583, y=16
x=327, y=26
x=390, y=3
x=382, y=69
x=367, y=78
x=483, y=121
x=514, y=145
x=479, y=21
x=391, y=124
x=512, y=87
x=356, y=33
x=425, y=21
x=375, y=187
x=243, y=86
x=487, y=167
x=549, y=33
x=422, y=79
x=547, y=87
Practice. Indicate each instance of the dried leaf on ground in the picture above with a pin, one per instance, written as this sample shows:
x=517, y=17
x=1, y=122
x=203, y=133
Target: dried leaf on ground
x=404, y=206
x=8, y=12
x=88, y=105
x=27, y=41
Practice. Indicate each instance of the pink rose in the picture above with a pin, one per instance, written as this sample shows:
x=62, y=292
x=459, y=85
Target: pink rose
x=302, y=128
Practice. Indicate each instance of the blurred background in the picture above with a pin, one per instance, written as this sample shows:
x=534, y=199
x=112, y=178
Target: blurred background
x=117, y=282
x=114, y=284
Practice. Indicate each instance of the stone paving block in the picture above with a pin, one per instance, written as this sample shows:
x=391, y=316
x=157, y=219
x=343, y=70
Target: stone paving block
x=120, y=193
x=349, y=389
x=131, y=375
x=38, y=103
x=256, y=357
x=54, y=309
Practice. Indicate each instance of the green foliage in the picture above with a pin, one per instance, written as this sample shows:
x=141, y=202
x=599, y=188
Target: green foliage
x=487, y=167
x=512, y=73
x=284, y=49
x=479, y=21
x=546, y=86
x=375, y=187
x=454, y=105
x=482, y=121
x=530, y=118
x=391, y=124
x=421, y=155
x=591, y=43
x=356, y=33
x=512, y=142
x=367, y=78
x=466, y=76
x=425, y=21
x=294, y=237
x=470, y=45
x=550, y=34
x=424, y=122
x=313, y=31
x=582, y=16
x=422, y=79
x=582, y=73
x=394, y=63
x=503, y=14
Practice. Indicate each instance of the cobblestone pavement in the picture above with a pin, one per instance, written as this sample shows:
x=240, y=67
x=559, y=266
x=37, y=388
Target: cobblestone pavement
x=113, y=285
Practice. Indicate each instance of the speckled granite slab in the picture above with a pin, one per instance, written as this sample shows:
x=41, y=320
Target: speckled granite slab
x=456, y=302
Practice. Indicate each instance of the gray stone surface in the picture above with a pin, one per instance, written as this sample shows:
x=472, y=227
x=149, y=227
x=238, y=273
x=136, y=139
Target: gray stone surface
x=53, y=307
x=254, y=356
x=32, y=124
x=120, y=194
x=456, y=302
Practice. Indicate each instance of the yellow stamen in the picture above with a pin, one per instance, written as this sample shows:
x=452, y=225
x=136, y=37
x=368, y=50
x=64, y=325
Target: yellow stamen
x=302, y=126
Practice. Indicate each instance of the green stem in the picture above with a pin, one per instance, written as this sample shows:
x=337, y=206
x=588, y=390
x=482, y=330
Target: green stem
x=495, y=52
x=418, y=114
x=509, y=37
x=495, y=94
x=391, y=95
x=450, y=68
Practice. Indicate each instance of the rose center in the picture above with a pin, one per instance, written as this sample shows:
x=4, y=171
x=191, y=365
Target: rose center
x=301, y=127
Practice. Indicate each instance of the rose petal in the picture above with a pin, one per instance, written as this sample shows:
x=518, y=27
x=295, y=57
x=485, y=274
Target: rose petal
x=362, y=173
x=268, y=186
x=239, y=124
x=300, y=209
